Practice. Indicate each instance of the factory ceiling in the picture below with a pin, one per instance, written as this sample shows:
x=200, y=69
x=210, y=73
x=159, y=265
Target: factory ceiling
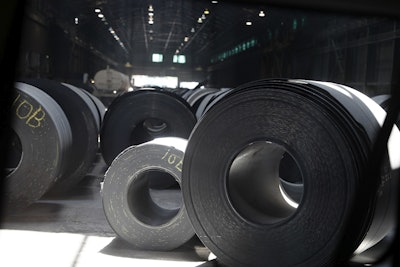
x=130, y=31
x=141, y=27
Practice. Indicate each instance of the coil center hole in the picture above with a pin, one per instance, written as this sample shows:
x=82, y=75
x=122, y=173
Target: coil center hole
x=154, y=197
x=14, y=153
x=265, y=184
x=147, y=130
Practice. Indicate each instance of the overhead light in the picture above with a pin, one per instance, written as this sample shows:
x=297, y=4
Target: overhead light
x=206, y=12
x=97, y=10
x=214, y=2
x=203, y=17
x=186, y=39
x=112, y=31
x=151, y=8
x=151, y=31
x=177, y=51
x=192, y=30
x=100, y=15
x=261, y=14
x=199, y=20
x=151, y=14
x=151, y=21
x=76, y=21
x=249, y=23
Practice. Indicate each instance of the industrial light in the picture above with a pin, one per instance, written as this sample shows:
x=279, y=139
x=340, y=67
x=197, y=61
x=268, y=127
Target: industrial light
x=206, y=12
x=151, y=8
x=249, y=23
x=100, y=15
x=192, y=30
x=203, y=17
x=199, y=20
x=157, y=57
x=76, y=21
x=151, y=22
x=214, y=2
x=181, y=59
x=261, y=14
x=186, y=39
x=97, y=10
x=151, y=14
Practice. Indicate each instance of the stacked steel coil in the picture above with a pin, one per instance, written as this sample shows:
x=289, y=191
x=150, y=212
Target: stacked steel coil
x=54, y=129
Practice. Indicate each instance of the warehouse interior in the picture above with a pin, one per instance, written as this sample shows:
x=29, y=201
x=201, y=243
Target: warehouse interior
x=175, y=46
x=62, y=41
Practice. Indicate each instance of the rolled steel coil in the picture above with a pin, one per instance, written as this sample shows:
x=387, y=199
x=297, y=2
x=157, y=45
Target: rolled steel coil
x=90, y=102
x=197, y=95
x=140, y=200
x=208, y=101
x=233, y=191
x=140, y=116
x=84, y=131
x=38, y=149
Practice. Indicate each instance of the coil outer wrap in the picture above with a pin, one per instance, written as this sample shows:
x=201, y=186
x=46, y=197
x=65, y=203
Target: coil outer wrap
x=45, y=139
x=84, y=131
x=140, y=116
x=128, y=204
x=328, y=130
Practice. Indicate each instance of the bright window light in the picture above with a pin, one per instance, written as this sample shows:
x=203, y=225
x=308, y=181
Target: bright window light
x=148, y=81
x=179, y=59
x=188, y=85
x=157, y=57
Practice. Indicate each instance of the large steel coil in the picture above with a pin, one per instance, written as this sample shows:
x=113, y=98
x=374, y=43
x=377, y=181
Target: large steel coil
x=75, y=105
x=208, y=101
x=232, y=184
x=142, y=199
x=140, y=116
x=90, y=102
x=39, y=147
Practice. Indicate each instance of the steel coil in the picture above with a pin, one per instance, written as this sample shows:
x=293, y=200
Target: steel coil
x=39, y=147
x=233, y=190
x=140, y=116
x=83, y=128
x=141, y=212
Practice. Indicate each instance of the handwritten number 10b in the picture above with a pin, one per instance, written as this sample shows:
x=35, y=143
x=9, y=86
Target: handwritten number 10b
x=24, y=110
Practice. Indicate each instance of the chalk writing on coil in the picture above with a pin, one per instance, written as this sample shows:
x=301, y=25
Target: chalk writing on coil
x=33, y=116
x=173, y=159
